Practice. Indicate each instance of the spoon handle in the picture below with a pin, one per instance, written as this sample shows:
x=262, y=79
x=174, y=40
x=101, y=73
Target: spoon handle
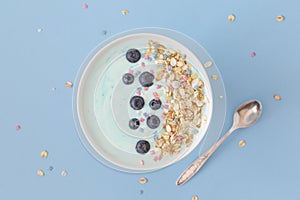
x=199, y=162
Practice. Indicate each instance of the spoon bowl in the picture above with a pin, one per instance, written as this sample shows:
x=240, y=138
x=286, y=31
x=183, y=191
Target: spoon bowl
x=245, y=115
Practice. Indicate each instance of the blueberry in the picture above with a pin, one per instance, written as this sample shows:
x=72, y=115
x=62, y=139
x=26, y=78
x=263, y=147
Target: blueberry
x=137, y=102
x=155, y=104
x=146, y=79
x=128, y=79
x=133, y=55
x=142, y=146
x=153, y=121
x=134, y=123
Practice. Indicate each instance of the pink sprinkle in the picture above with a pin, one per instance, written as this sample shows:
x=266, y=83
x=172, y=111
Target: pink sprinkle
x=155, y=94
x=143, y=64
x=130, y=71
x=157, y=158
x=152, y=152
x=156, y=98
x=170, y=133
x=85, y=6
x=185, y=77
x=151, y=71
x=139, y=93
x=18, y=127
x=142, y=162
x=158, y=86
x=252, y=54
x=166, y=106
x=163, y=116
x=179, y=137
x=146, y=88
x=142, y=120
x=184, y=83
x=146, y=57
x=149, y=115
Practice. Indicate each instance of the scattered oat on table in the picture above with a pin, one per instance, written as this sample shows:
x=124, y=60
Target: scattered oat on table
x=242, y=143
x=277, y=97
x=64, y=173
x=69, y=84
x=40, y=172
x=231, y=17
x=195, y=197
x=44, y=154
x=125, y=12
x=280, y=18
x=143, y=180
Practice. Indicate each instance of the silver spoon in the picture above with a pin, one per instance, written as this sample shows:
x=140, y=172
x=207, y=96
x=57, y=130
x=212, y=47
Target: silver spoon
x=246, y=115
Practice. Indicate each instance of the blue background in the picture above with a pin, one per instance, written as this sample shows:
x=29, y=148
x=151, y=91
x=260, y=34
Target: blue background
x=33, y=62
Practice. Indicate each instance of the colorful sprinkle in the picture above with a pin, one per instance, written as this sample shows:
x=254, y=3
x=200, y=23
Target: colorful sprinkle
x=142, y=162
x=151, y=71
x=221, y=97
x=158, y=86
x=280, y=18
x=252, y=54
x=146, y=57
x=64, y=173
x=143, y=180
x=44, y=154
x=142, y=120
x=139, y=93
x=152, y=152
x=85, y=6
x=50, y=168
x=231, y=17
x=69, y=84
x=157, y=158
x=130, y=71
x=163, y=116
x=53, y=89
x=277, y=97
x=18, y=127
x=146, y=88
x=143, y=64
x=166, y=106
x=41, y=172
x=39, y=30
x=125, y=12
x=242, y=143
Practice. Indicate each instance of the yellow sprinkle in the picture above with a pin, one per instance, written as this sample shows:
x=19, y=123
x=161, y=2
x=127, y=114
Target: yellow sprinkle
x=44, y=154
x=69, y=84
x=280, y=18
x=143, y=180
x=125, y=12
x=277, y=97
x=64, y=173
x=231, y=17
x=207, y=64
x=214, y=77
x=242, y=143
x=40, y=172
x=195, y=197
